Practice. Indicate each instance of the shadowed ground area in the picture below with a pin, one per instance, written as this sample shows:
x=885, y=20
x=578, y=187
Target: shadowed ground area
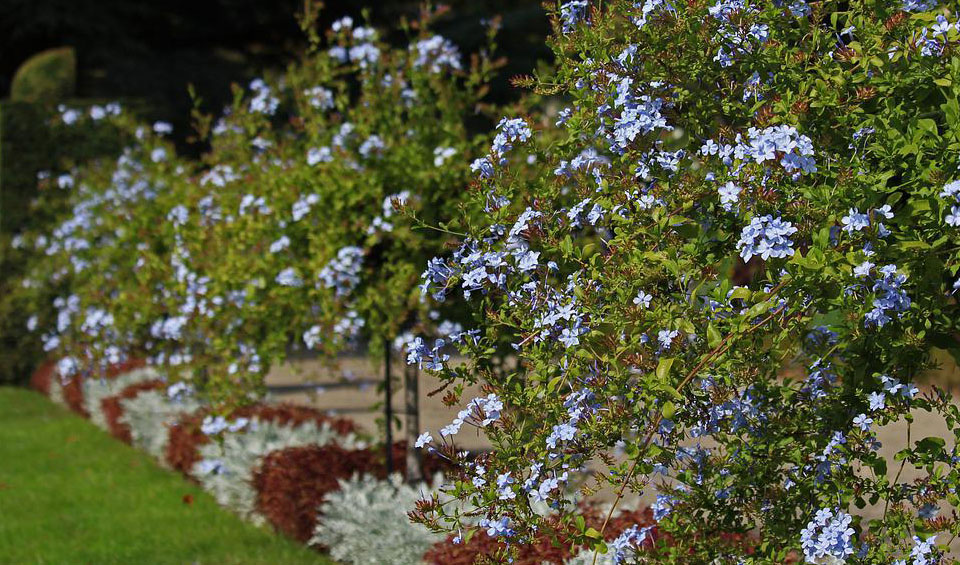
x=70, y=493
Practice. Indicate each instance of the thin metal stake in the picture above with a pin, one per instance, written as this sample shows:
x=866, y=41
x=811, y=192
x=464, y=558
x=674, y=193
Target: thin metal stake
x=388, y=406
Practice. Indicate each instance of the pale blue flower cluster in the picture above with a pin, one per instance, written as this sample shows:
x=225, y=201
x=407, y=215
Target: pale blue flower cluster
x=343, y=271
x=919, y=5
x=572, y=13
x=766, y=237
x=317, y=155
x=647, y=8
x=289, y=277
x=436, y=53
x=319, y=97
x=433, y=358
x=828, y=535
x=302, y=207
x=641, y=115
x=952, y=191
x=373, y=145
x=889, y=294
x=363, y=52
x=214, y=425
x=663, y=506
x=924, y=552
x=497, y=528
x=736, y=41
x=625, y=546
x=263, y=100
x=783, y=144
x=511, y=130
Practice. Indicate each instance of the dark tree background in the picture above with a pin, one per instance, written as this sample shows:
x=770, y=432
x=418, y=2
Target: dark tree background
x=152, y=50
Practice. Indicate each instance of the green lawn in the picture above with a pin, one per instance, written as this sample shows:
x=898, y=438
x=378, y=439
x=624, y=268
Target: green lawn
x=70, y=493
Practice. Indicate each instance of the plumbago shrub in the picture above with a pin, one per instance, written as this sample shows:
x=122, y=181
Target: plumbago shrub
x=308, y=229
x=303, y=226
x=94, y=259
x=722, y=284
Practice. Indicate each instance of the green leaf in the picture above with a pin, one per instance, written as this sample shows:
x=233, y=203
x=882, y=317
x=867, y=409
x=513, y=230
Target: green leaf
x=713, y=336
x=669, y=409
x=663, y=368
x=552, y=385
x=930, y=445
x=740, y=292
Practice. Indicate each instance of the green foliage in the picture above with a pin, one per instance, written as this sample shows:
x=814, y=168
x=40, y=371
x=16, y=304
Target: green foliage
x=727, y=276
x=49, y=76
x=35, y=151
x=72, y=494
x=306, y=224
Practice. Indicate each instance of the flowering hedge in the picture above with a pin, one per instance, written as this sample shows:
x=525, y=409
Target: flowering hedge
x=746, y=187
x=303, y=226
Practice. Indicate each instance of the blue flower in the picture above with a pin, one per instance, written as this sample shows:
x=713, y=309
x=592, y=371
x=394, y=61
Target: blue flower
x=497, y=528
x=767, y=237
x=855, y=221
x=436, y=53
x=280, y=244
x=642, y=299
x=263, y=101
x=663, y=506
x=919, y=5
x=572, y=13
x=665, y=338
x=342, y=273
x=647, y=8
x=625, y=545
x=863, y=422
x=640, y=116
x=877, y=401
x=372, y=145
x=317, y=155
x=863, y=269
x=828, y=535
x=483, y=167
x=511, y=130
x=953, y=218
x=419, y=353
x=289, y=277
x=729, y=195
x=924, y=551
x=890, y=296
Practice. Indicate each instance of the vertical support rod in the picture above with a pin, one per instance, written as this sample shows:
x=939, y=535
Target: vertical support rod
x=388, y=405
x=411, y=396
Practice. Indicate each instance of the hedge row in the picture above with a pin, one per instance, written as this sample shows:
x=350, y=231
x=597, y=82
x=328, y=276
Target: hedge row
x=293, y=486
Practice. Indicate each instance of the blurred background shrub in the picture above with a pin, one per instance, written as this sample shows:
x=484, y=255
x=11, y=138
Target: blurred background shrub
x=145, y=55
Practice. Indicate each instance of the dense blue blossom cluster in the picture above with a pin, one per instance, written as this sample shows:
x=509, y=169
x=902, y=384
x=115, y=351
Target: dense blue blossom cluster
x=343, y=272
x=952, y=191
x=572, y=13
x=766, y=237
x=890, y=297
x=436, y=53
x=828, y=535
